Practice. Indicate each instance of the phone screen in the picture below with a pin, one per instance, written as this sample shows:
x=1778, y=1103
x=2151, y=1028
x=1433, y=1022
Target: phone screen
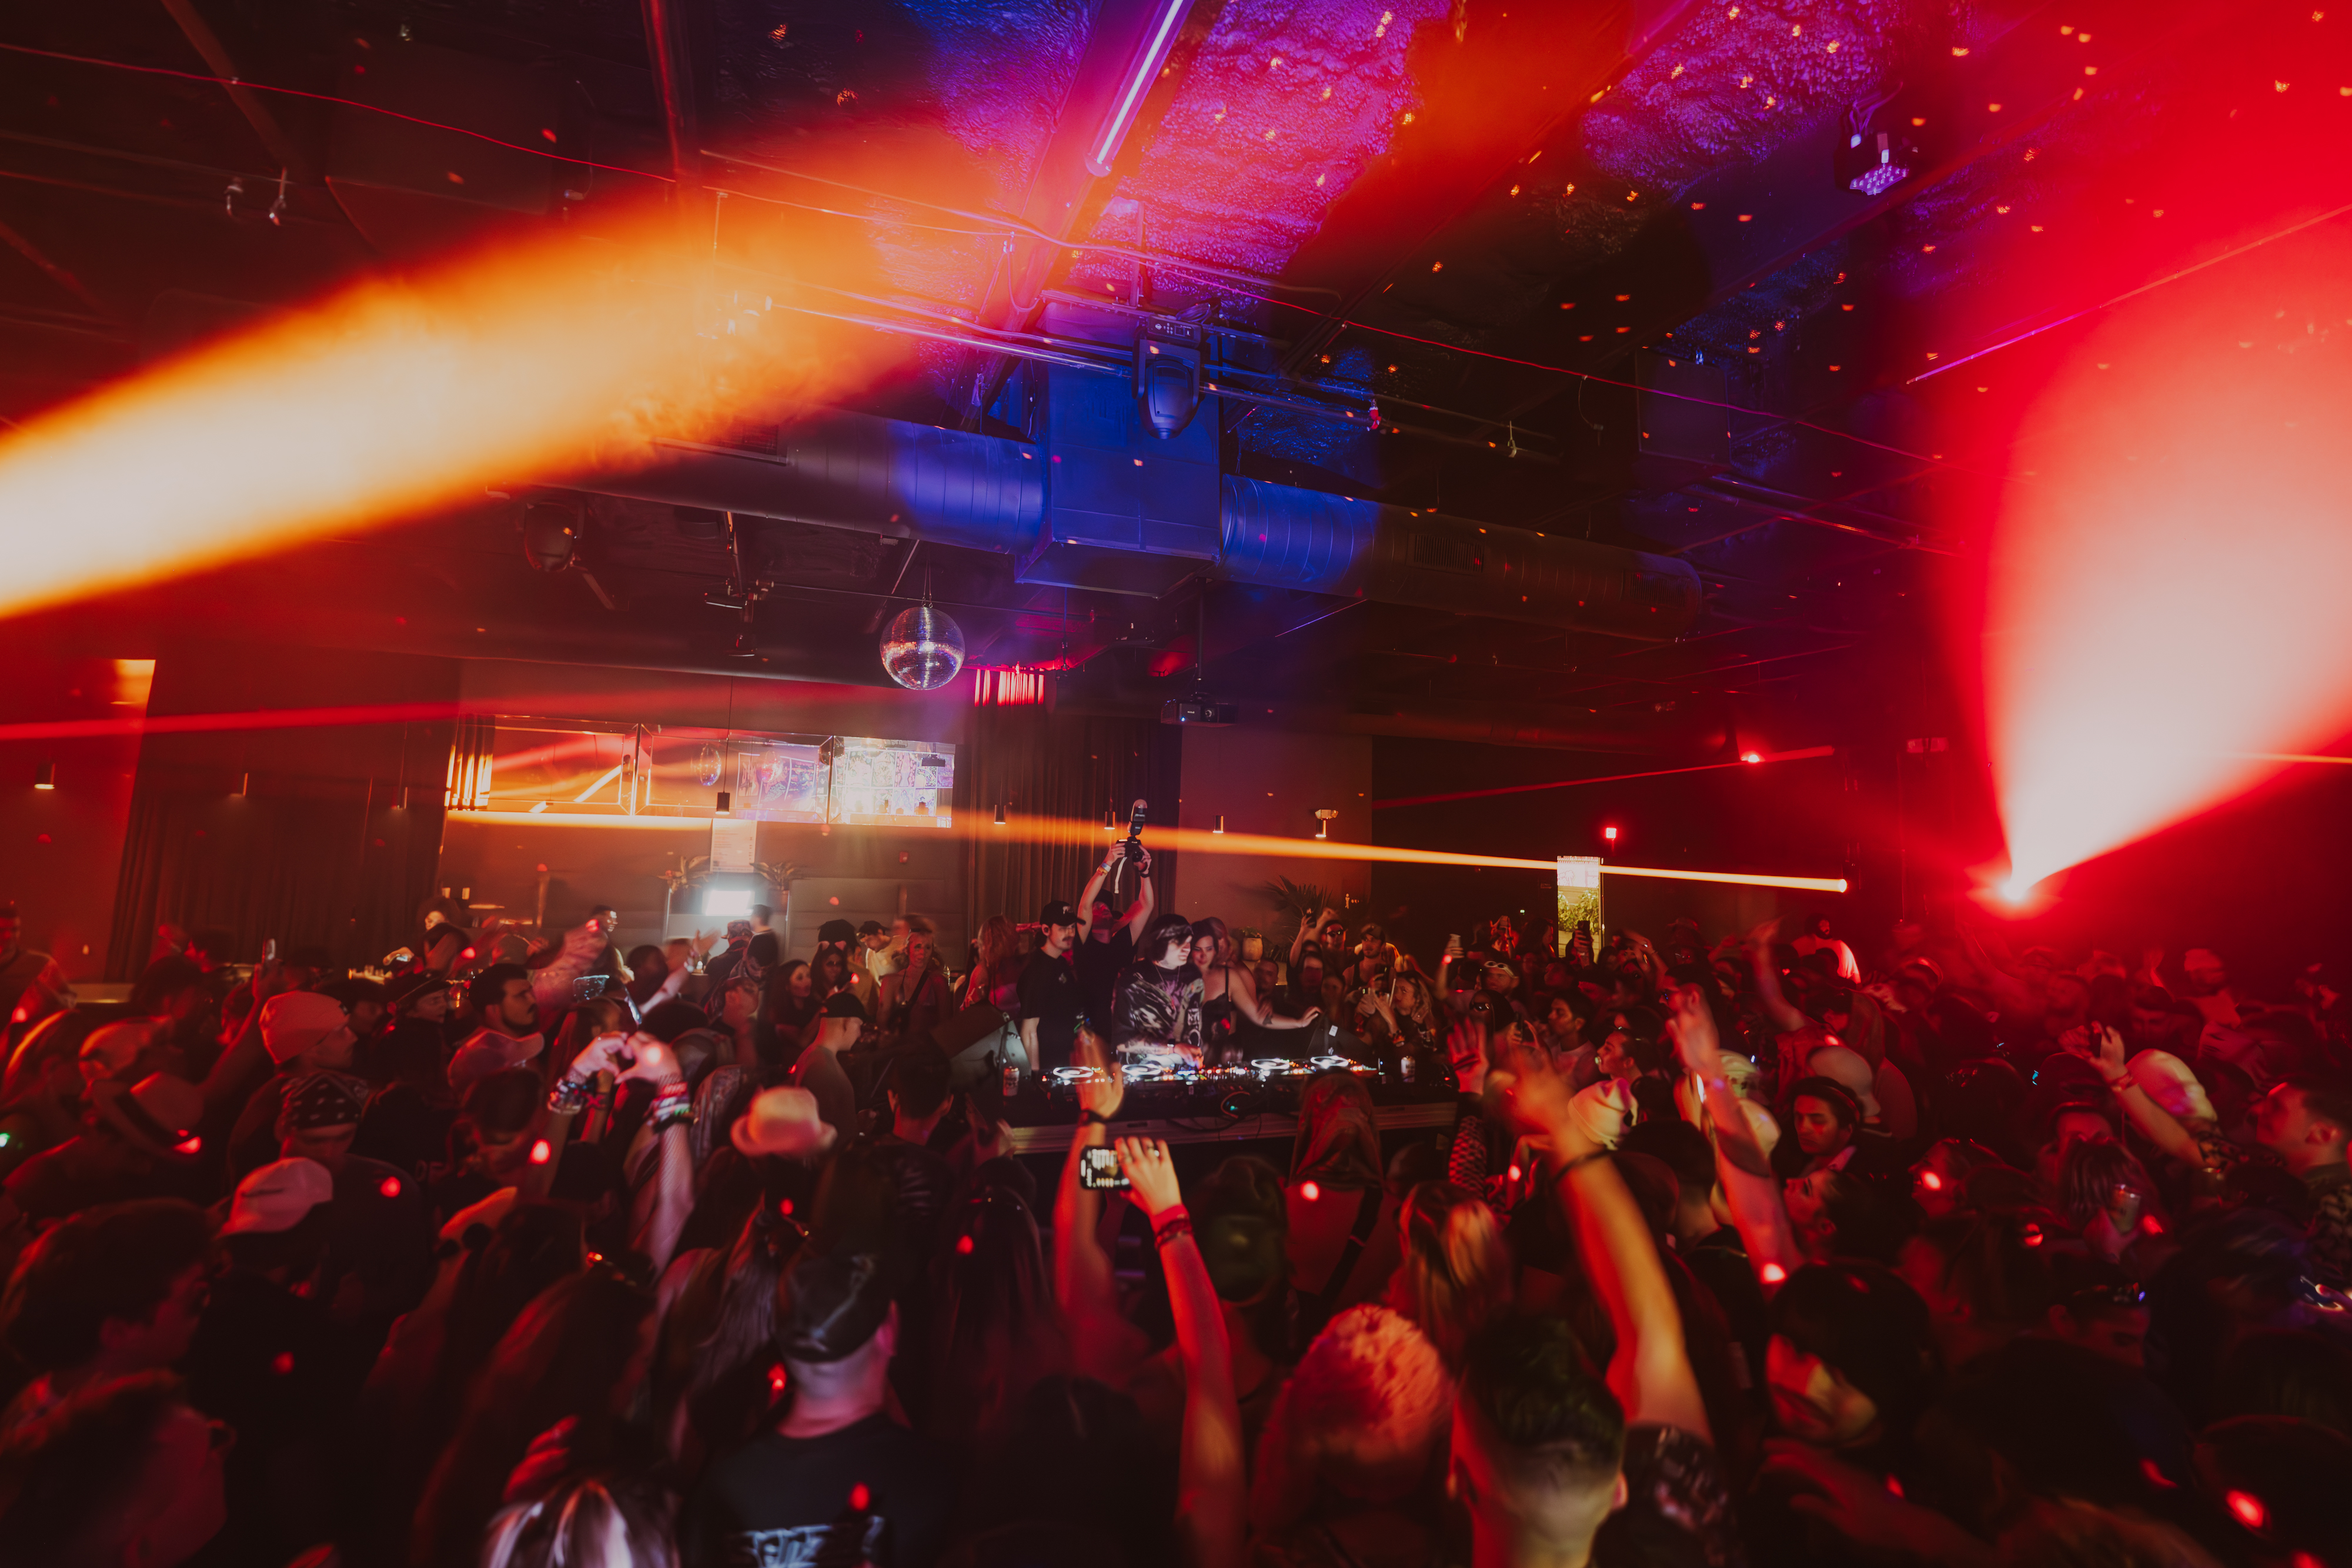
x=1099, y=1169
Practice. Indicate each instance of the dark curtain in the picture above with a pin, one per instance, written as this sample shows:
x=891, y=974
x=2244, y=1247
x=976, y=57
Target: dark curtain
x=1069, y=770
x=316, y=833
x=342, y=873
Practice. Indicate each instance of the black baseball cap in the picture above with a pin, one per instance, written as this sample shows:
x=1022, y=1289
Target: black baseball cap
x=838, y=1304
x=837, y=931
x=845, y=1005
x=1061, y=911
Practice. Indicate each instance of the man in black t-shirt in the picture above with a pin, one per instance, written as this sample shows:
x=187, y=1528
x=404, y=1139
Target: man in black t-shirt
x=1051, y=1000
x=837, y=1480
x=1107, y=941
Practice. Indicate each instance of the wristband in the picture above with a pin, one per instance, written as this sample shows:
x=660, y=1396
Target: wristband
x=569, y=1095
x=1173, y=1222
x=1093, y=1119
x=671, y=1106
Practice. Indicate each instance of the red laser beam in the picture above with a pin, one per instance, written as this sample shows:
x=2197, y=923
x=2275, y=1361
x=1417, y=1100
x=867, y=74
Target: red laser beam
x=1747, y=761
x=329, y=98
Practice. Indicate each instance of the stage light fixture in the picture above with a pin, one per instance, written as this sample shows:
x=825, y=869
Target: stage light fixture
x=1752, y=757
x=726, y=802
x=1221, y=824
x=46, y=777
x=1166, y=377
x=1323, y=817
x=1610, y=834
x=550, y=536
x=1000, y=816
x=1150, y=54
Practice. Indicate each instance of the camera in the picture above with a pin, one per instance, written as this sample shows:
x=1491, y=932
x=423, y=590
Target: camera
x=1099, y=1169
x=588, y=987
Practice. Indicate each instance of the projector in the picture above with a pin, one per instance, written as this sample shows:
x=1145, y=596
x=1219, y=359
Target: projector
x=1195, y=710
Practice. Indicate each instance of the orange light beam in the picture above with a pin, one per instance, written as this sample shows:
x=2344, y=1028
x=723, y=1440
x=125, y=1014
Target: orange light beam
x=393, y=397
x=610, y=774
x=1198, y=842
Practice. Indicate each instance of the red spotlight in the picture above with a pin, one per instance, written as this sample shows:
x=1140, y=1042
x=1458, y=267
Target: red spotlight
x=1752, y=757
x=1309, y=1191
x=2247, y=1508
x=1610, y=834
x=1772, y=1273
x=542, y=1152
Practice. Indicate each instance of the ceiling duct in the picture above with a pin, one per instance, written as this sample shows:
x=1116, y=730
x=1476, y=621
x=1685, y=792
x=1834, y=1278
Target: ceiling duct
x=1062, y=521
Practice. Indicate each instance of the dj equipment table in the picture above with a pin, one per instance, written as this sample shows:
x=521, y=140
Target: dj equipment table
x=1217, y=1105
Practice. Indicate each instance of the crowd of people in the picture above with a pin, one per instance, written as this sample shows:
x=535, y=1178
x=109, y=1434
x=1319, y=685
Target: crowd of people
x=1769, y=1249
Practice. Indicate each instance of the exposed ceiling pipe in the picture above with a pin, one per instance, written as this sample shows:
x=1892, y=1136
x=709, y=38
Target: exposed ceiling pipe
x=911, y=481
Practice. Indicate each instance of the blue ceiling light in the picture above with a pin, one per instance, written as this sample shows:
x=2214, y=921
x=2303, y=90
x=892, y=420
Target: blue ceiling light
x=1150, y=54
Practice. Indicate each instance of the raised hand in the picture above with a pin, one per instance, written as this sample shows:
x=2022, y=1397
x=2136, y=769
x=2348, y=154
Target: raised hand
x=1465, y=1047
x=1693, y=1027
x=1533, y=1090
x=1105, y=1092
x=655, y=1062
x=1145, y=1162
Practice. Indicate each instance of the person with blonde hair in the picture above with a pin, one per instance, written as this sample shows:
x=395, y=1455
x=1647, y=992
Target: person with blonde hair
x=1457, y=1272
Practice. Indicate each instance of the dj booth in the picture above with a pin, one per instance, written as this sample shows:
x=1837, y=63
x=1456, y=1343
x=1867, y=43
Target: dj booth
x=1180, y=1104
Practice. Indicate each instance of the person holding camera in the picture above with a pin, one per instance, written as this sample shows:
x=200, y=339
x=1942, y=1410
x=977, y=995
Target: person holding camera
x=1107, y=942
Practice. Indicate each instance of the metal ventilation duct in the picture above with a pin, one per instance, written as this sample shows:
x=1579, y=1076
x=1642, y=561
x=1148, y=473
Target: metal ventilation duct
x=981, y=492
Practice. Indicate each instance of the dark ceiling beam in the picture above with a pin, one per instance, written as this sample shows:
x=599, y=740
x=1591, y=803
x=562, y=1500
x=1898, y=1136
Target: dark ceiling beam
x=281, y=147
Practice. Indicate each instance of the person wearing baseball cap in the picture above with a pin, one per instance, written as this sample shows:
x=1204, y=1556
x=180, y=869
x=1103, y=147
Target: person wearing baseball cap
x=268, y=1360
x=136, y=1141
x=1051, y=1000
x=305, y=1034
x=840, y=936
x=278, y=1198
x=381, y=1223
x=819, y=1069
x=836, y=1441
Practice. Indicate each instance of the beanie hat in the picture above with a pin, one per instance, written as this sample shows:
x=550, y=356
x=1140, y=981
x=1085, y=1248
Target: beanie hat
x=296, y=1022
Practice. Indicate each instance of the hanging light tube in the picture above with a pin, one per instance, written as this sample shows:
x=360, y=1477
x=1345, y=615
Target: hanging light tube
x=1159, y=36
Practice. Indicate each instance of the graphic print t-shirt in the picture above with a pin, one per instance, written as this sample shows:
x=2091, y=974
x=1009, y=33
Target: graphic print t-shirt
x=873, y=1492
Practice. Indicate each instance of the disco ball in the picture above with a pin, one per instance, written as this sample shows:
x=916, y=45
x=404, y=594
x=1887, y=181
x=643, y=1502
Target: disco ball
x=922, y=649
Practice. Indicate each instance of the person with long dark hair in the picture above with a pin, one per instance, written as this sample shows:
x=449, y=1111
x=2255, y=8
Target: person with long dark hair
x=577, y=1355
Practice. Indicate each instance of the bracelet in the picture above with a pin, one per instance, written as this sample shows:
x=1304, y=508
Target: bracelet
x=569, y=1095
x=1092, y=1118
x=1173, y=1222
x=671, y=1106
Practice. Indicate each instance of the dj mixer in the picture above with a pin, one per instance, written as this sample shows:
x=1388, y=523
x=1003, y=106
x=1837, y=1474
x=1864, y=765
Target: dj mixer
x=1172, y=1099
